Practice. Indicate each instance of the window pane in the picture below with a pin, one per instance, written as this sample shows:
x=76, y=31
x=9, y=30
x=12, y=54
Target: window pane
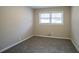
x=44, y=15
x=57, y=15
x=57, y=18
x=56, y=21
x=44, y=20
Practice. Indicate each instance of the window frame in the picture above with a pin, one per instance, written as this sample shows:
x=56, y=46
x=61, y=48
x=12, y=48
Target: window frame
x=51, y=17
x=44, y=18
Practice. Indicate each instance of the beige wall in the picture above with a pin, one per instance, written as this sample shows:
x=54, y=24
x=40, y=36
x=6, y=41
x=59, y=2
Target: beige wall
x=15, y=25
x=75, y=26
x=56, y=30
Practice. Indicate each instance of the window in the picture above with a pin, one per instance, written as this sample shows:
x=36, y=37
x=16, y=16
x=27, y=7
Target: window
x=45, y=18
x=53, y=18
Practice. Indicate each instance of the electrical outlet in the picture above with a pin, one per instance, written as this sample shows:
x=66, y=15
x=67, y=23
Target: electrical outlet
x=49, y=34
x=52, y=33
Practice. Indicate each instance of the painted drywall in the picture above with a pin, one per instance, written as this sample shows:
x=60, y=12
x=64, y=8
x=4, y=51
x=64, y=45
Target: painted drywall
x=15, y=25
x=75, y=26
x=56, y=30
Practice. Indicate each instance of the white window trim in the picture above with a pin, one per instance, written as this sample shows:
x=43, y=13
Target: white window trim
x=50, y=17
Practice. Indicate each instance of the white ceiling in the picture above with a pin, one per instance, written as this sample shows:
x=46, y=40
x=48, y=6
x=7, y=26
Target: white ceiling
x=37, y=7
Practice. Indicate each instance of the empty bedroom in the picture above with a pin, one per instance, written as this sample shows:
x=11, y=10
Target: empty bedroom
x=39, y=29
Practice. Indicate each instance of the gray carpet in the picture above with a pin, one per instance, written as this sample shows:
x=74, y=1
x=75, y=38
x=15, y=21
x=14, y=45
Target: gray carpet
x=43, y=45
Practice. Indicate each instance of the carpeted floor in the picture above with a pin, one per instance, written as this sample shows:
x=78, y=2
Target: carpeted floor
x=43, y=45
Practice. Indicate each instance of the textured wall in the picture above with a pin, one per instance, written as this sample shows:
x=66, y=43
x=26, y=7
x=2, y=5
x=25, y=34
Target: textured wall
x=15, y=25
x=75, y=26
x=57, y=30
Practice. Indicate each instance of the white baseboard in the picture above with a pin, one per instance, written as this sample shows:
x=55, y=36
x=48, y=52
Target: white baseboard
x=2, y=50
x=52, y=37
x=76, y=46
x=15, y=44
